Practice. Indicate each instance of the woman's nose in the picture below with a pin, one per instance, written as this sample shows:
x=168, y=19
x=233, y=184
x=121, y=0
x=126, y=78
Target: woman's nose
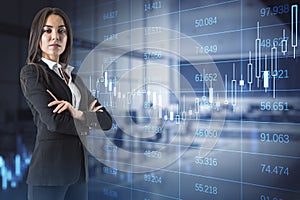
x=54, y=35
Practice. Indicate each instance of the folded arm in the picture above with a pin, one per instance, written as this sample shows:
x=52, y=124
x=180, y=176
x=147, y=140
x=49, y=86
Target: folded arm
x=35, y=91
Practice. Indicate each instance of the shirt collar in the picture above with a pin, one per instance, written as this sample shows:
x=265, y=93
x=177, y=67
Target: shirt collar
x=51, y=65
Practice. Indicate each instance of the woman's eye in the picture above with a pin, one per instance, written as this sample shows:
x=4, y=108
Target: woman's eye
x=47, y=31
x=61, y=31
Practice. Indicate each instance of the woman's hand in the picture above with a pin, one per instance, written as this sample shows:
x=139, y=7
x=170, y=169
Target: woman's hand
x=62, y=105
x=92, y=107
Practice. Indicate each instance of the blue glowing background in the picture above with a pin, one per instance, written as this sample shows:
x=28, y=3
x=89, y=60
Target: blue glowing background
x=204, y=95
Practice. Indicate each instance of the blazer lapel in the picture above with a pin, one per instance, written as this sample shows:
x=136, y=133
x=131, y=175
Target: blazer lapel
x=83, y=105
x=58, y=81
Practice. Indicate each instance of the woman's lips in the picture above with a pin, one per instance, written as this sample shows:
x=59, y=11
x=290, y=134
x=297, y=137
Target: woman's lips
x=54, y=45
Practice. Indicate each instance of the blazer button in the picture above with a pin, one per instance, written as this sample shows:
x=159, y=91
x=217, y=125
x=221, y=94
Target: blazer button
x=83, y=133
x=93, y=124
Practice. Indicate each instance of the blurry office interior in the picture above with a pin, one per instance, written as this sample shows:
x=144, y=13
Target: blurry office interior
x=17, y=131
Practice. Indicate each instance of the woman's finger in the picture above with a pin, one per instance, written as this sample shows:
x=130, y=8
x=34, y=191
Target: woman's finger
x=58, y=107
x=98, y=108
x=63, y=108
x=52, y=95
x=92, y=105
x=52, y=103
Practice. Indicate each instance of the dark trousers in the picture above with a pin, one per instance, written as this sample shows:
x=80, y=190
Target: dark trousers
x=76, y=191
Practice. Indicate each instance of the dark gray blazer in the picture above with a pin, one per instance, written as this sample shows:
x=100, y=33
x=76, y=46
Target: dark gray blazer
x=58, y=153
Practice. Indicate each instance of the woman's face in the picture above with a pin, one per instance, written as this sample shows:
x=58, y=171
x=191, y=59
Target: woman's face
x=54, y=38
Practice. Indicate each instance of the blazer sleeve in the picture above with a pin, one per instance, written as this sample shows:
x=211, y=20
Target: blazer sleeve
x=34, y=88
x=99, y=120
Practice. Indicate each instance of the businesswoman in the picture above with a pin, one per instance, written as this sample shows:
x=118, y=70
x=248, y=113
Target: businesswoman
x=63, y=111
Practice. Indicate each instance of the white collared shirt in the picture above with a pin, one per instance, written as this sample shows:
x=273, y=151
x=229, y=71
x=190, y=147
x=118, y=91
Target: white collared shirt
x=76, y=96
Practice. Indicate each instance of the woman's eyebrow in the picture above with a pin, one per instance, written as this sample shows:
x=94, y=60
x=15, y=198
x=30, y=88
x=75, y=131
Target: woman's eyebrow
x=50, y=26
